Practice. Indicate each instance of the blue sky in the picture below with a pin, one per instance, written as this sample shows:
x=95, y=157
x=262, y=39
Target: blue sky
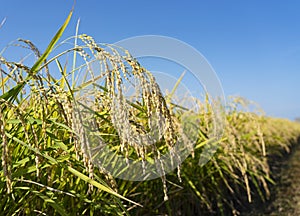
x=254, y=46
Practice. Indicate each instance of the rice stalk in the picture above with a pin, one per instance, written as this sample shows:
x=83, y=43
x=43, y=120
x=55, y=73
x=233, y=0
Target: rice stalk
x=6, y=161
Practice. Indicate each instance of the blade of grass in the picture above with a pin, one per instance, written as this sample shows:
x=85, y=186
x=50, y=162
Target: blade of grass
x=75, y=53
x=100, y=186
x=169, y=97
x=52, y=203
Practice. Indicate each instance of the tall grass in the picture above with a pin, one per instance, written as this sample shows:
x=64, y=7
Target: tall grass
x=48, y=164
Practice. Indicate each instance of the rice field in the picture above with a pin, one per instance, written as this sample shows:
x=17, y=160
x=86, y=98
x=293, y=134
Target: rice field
x=49, y=166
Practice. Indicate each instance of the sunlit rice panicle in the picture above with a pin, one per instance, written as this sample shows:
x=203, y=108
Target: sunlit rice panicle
x=31, y=46
x=117, y=68
x=40, y=106
x=114, y=64
x=6, y=162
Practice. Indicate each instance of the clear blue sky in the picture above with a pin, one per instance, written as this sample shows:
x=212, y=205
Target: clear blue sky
x=254, y=46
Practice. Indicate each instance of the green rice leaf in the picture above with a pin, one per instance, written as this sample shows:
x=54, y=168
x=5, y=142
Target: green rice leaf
x=98, y=185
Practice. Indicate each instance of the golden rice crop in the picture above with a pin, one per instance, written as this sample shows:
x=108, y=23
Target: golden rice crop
x=48, y=124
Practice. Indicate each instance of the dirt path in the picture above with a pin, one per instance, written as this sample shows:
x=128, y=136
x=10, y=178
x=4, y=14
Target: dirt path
x=287, y=191
x=287, y=199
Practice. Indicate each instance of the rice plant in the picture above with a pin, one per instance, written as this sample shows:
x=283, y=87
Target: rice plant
x=40, y=167
x=58, y=117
